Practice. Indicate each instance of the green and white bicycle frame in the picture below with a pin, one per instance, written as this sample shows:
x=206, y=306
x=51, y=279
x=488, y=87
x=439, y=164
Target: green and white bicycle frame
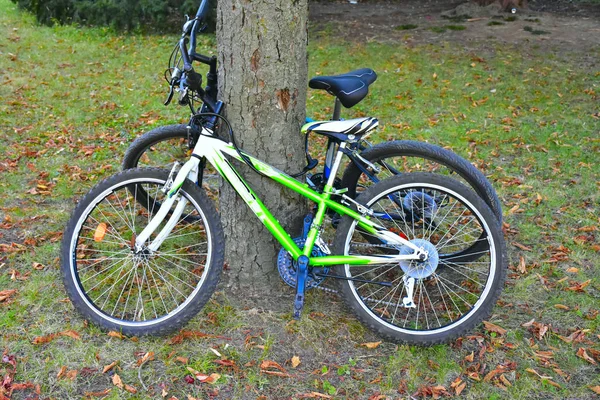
x=215, y=151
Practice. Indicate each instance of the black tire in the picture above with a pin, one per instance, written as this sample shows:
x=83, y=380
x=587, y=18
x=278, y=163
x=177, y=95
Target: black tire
x=158, y=148
x=474, y=285
x=164, y=145
x=97, y=247
x=442, y=161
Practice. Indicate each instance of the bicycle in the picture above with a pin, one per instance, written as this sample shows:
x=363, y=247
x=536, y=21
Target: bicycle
x=367, y=163
x=144, y=249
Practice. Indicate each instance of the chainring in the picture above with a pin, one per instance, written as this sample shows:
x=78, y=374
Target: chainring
x=287, y=266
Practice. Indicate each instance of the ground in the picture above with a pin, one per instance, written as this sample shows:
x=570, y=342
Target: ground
x=566, y=26
x=522, y=107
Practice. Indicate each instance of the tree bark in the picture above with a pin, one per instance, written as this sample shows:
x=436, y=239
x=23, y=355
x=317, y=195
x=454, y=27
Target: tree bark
x=262, y=79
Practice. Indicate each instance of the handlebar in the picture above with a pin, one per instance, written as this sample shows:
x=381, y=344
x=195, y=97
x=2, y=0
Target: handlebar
x=199, y=19
x=186, y=78
x=193, y=80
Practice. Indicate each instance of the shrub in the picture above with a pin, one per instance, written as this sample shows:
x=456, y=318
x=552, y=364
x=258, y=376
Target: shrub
x=152, y=15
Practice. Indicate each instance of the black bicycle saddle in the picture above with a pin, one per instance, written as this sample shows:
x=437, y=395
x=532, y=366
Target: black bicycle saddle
x=350, y=88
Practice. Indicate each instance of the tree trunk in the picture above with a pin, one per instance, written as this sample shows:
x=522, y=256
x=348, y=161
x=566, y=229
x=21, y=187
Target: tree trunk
x=262, y=76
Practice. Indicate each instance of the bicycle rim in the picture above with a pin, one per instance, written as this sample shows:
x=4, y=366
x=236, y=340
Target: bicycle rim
x=143, y=288
x=446, y=293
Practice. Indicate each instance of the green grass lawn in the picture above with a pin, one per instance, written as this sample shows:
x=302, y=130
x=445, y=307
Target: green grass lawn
x=73, y=99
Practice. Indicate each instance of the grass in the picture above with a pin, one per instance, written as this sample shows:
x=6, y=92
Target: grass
x=74, y=98
x=406, y=27
x=442, y=29
x=534, y=31
x=456, y=27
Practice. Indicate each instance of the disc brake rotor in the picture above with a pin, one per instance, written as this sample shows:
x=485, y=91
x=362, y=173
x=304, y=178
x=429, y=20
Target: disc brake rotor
x=418, y=269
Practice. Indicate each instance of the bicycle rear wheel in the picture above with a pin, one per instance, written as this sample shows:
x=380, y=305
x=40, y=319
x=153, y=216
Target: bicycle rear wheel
x=450, y=294
x=164, y=145
x=140, y=292
x=405, y=156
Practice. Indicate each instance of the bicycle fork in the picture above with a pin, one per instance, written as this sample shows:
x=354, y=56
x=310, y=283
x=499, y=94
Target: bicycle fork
x=188, y=170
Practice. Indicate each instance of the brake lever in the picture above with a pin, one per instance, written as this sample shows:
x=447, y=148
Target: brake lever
x=170, y=97
x=183, y=97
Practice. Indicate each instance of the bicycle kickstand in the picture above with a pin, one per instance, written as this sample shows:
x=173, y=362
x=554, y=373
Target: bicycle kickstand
x=301, y=275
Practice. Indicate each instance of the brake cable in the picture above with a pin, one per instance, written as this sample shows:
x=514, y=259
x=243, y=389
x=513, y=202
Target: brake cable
x=311, y=162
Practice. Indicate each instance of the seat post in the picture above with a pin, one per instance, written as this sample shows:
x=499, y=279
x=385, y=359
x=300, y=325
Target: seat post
x=337, y=110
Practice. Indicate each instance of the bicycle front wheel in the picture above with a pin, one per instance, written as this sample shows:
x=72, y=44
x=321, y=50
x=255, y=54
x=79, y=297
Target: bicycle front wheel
x=441, y=298
x=140, y=291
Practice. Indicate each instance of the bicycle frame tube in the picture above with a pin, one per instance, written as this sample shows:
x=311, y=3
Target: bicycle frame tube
x=215, y=149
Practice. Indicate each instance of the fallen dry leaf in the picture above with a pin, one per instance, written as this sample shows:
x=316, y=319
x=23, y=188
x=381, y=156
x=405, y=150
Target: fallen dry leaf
x=581, y=353
x=44, y=339
x=226, y=363
x=561, y=307
x=6, y=294
x=103, y=393
x=115, y=334
x=313, y=395
x=494, y=328
x=533, y=371
x=116, y=380
x=595, y=389
x=62, y=372
x=594, y=353
x=72, y=374
x=537, y=328
x=295, y=361
x=71, y=334
x=130, y=389
x=184, y=334
x=505, y=380
x=521, y=246
x=579, y=287
x=576, y=336
x=38, y=267
x=470, y=357
x=109, y=366
x=273, y=368
x=458, y=385
x=183, y=360
x=149, y=356
x=203, y=378
x=371, y=345
x=522, y=267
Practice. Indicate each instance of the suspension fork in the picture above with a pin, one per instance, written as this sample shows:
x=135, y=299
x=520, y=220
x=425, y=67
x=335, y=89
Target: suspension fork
x=189, y=170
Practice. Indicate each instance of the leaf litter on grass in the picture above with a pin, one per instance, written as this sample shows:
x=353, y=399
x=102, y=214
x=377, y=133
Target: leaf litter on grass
x=533, y=136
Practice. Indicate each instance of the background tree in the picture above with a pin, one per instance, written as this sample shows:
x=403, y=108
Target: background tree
x=263, y=80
